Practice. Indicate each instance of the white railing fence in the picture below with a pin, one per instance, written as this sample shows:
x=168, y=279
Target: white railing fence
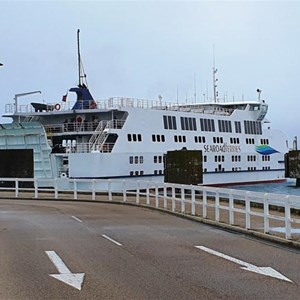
x=261, y=212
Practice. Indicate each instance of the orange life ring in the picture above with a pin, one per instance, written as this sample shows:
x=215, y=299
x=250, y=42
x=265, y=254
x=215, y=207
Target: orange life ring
x=93, y=105
x=79, y=119
x=57, y=106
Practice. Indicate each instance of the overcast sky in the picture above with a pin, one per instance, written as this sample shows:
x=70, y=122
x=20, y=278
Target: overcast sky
x=143, y=49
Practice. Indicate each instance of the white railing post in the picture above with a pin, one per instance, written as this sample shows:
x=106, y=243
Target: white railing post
x=248, y=210
x=75, y=189
x=173, y=198
x=231, y=208
x=36, y=189
x=138, y=193
x=287, y=215
x=147, y=195
x=204, y=205
x=16, y=187
x=165, y=197
x=156, y=196
x=193, y=202
x=217, y=207
x=93, y=190
x=266, y=214
x=109, y=190
x=55, y=188
x=182, y=200
x=124, y=190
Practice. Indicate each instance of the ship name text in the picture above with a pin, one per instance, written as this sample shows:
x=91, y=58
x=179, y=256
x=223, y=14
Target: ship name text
x=222, y=148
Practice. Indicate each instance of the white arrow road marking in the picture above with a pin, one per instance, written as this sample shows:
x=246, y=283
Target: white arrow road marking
x=73, y=279
x=267, y=271
x=112, y=240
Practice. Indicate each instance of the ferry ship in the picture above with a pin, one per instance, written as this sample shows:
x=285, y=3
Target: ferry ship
x=128, y=138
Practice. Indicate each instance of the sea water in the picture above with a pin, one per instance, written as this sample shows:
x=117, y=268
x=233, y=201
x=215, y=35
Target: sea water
x=288, y=187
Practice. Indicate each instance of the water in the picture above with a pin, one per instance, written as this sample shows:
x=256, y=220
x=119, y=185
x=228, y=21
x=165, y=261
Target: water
x=286, y=188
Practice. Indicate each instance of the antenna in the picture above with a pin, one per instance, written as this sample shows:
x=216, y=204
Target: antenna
x=81, y=73
x=214, y=78
x=195, y=88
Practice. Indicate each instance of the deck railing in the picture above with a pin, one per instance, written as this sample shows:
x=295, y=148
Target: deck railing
x=121, y=102
x=266, y=213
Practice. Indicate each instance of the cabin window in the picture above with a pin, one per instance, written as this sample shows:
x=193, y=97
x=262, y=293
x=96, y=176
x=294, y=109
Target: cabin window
x=134, y=137
x=199, y=139
x=180, y=138
x=252, y=127
x=207, y=125
x=234, y=140
x=250, y=141
x=188, y=123
x=218, y=140
x=251, y=158
x=235, y=158
x=169, y=122
x=265, y=158
x=238, y=127
x=224, y=126
x=264, y=141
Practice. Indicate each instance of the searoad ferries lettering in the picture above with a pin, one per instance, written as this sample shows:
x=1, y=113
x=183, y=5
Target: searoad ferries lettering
x=222, y=148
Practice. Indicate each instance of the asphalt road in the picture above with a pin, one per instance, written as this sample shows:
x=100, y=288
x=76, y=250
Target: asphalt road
x=128, y=252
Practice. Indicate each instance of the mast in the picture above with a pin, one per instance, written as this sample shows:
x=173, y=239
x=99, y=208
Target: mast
x=82, y=82
x=215, y=95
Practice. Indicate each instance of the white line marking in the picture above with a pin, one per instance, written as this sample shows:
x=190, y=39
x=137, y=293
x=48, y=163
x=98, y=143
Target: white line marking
x=267, y=271
x=73, y=279
x=112, y=240
x=77, y=219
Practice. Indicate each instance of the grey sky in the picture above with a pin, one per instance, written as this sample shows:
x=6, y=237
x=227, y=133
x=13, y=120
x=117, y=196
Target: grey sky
x=143, y=49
